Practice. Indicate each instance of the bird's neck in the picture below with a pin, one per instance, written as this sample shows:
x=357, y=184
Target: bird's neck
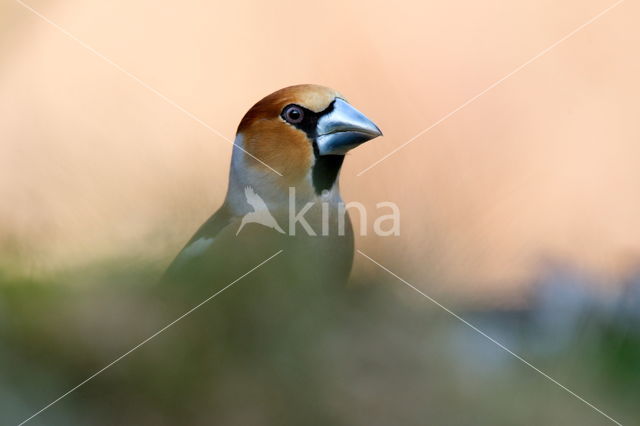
x=320, y=185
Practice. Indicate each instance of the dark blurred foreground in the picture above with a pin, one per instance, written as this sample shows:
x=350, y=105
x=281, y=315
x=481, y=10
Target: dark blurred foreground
x=377, y=353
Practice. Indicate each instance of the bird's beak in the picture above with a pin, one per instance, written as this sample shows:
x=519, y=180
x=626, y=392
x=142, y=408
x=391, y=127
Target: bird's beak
x=343, y=128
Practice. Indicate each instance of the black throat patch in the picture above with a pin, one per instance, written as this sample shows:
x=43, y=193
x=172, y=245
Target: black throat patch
x=325, y=170
x=327, y=167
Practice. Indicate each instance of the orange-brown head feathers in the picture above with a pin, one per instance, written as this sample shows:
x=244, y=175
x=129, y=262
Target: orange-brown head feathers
x=267, y=136
x=311, y=96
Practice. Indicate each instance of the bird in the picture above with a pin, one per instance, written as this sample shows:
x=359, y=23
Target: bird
x=286, y=159
x=281, y=248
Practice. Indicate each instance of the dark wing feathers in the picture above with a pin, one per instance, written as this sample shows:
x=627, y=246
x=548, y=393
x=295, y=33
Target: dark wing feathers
x=209, y=230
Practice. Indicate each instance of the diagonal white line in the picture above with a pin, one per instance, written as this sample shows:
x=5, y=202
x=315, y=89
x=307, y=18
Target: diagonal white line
x=189, y=312
x=141, y=82
x=500, y=345
x=534, y=58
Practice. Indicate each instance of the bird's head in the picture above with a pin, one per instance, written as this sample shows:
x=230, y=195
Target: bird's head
x=302, y=132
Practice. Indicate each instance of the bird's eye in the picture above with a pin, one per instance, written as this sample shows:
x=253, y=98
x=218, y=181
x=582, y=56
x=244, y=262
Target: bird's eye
x=293, y=114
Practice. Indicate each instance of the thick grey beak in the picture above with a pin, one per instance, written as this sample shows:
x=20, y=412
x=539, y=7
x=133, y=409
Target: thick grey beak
x=344, y=128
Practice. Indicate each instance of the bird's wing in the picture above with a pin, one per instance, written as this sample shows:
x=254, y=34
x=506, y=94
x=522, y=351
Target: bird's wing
x=216, y=255
x=254, y=199
x=200, y=243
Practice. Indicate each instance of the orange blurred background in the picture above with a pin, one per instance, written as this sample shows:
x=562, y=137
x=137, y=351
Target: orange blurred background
x=94, y=165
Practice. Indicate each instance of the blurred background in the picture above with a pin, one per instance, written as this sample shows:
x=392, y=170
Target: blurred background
x=521, y=211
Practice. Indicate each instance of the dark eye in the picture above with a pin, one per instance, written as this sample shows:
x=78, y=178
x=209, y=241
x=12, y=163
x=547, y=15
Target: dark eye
x=293, y=114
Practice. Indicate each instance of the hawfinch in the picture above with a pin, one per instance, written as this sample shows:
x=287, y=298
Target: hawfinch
x=283, y=194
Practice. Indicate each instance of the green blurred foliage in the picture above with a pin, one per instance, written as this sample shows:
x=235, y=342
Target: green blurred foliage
x=370, y=354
